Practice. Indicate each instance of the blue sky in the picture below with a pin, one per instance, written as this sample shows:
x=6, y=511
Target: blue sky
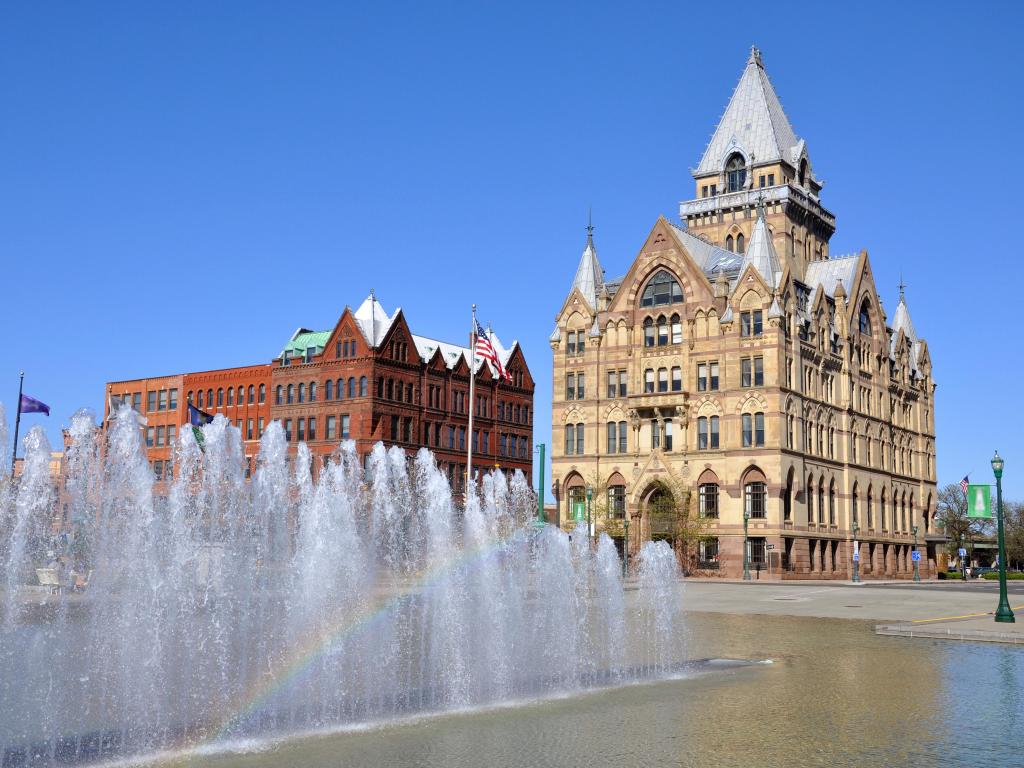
x=182, y=185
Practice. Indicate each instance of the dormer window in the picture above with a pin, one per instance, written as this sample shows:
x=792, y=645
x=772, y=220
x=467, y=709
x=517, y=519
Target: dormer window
x=662, y=289
x=735, y=173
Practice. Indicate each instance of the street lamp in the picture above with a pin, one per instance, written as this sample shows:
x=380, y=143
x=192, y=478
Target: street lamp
x=914, y=556
x=1003, y=612
x=856, y=554
x=590, y=495
x=746, y=546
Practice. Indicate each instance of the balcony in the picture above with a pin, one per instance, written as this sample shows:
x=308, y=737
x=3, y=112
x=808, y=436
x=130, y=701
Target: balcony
x=748, y=198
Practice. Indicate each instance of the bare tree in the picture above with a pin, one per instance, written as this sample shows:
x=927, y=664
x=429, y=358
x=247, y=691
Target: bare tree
x=951, y=514
x=1013, y=530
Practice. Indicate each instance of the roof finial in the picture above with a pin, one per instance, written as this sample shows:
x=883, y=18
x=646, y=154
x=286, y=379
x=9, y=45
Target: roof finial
x=755, y=56
x=760, y=204
x=590, y=225
x=902, y=285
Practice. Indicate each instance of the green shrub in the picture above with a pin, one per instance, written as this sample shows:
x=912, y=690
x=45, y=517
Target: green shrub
x=950, y=575
x=994, y=576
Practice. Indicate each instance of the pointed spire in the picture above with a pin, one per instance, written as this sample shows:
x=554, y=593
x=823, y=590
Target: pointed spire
x=902, y=285
x=589, y=278
x=761, y=252
x=753, y=123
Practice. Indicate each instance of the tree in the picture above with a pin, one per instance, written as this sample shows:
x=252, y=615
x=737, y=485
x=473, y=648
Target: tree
x=1013, y=531
x=951, y=514
x=675, y=512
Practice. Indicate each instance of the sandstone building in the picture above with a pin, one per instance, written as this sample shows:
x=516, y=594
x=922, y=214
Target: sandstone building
x=369, y=379
x=738, y=369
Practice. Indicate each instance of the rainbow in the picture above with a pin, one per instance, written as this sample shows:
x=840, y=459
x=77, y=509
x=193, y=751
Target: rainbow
x=345, y=625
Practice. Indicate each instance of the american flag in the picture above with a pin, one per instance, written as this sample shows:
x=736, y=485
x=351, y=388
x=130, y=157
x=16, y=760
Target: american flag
x=486, y=350
x=964, y=484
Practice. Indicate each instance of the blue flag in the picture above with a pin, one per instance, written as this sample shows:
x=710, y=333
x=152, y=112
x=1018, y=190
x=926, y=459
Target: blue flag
x=197, y=418
x=31, y=405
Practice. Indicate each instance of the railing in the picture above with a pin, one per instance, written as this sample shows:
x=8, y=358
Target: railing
x=747, y=197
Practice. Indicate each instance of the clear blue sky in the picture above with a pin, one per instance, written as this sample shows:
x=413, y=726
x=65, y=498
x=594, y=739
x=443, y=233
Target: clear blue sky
x=184, y=184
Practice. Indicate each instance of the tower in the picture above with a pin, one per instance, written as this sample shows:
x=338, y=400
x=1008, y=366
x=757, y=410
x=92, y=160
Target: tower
x=755, y=157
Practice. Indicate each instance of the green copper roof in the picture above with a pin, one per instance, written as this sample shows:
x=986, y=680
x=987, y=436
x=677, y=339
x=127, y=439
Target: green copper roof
x=302, y=340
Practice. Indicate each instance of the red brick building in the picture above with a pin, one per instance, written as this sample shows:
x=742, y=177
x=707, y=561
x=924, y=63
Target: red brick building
x=369, y=379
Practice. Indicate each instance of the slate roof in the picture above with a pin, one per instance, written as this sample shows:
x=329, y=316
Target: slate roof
x=827, y=272
x=761, y=253
x=589, y=275
x=373, y=321
x=753, y=123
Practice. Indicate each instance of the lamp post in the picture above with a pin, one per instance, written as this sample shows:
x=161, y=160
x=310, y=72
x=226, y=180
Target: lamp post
x=590, y=495
x=856, y=554
x=746, y=546
x=1003, y=612
x=914, y=556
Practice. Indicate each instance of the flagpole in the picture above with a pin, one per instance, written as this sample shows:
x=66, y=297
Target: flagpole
x=472, y=389
x=17, y=423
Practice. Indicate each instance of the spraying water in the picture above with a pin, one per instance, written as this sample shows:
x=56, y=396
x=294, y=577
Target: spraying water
x=219, y=607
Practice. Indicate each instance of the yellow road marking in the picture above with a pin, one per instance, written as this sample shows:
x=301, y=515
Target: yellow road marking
x=965, y=616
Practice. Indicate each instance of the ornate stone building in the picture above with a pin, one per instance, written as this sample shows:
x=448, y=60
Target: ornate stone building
x=738, y=370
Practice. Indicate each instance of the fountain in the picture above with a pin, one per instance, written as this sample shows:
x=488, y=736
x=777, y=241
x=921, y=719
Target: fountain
x=223, y=608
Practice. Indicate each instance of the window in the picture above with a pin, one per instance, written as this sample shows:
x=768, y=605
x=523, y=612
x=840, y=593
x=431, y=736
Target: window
x=677, y=379
x=758, y=371
x=579, y=439
x=248, y=429
x=713, y=376
x=241, y=396
x=277, y=394
x=172, y=401
x=748, y=430
x=579, y=386
x=758, y=429
x=263, y=393
x=362, y=386
x=345, y=420
x=570, y=386
x=622, y=437
x=150, y=437
x=648, y=381
x=677, y=330
x=739, y=243
x=708, y=500
x=760, y=180
x=613, y=436
x=735, y=172
x=663, y=379
x=702, y=377
x=648, y=332
x=661, y=290
x=570, y=439
x=260, y=424
x=729, y=246
x=137, y=401
x=655, y=434
x=745, y=376
x=668, y=434
x=231, y=396
x=302, y=392
x=750, y=323
x=662, y=331
x=704, y=191
x=570, y=343
x=754, y=500
x=291, y=394
x=329, y=389
x=707, y=433
x=709, y=553
x=771, y=179
x=395, y=425
x=301, y=431
x=832, y=504
x=288, y=430
x=312, y=427
x=312, y=391
x=163, y=400
x=758, y=551
x=613, y=381
x=160, y=433
x=209, y=398
x=865, y=318
x=617, y=501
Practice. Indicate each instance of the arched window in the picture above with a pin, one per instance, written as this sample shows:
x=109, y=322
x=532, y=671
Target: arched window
x=291, y=394
x=220, y=396
x=189, y=398
x=263, y=393
x=871, y=510
x=821, y=501
x=209, y=398
x=662, y=331
x=865, y=317
x=302, y=392
x=832, y=503
x=352, y=386
x=802, y=177
x=677, y=330
x=735, y=172
x=662, y=289
x=648, y=332
x=231, y=396
x=329, y=389
x=740, y=244
x=339, y=389
x=252, y=394
x=729, y=245
x=362, y=386
x=312, y=391
x=881, y=510
x=241, y=395
x=200, y=403
x=810, y=499
x=755, y=495
x=853, y=504
x=277, y=394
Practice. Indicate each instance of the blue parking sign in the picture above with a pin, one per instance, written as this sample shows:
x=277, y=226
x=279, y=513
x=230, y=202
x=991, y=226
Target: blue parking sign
x=962, y=552
x=915, y=556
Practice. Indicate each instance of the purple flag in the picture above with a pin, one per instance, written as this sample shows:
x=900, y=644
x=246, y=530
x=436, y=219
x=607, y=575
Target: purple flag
x=31, y=405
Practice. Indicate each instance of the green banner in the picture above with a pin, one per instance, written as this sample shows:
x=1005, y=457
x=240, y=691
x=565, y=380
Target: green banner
x=579, y=511
x=979, y=501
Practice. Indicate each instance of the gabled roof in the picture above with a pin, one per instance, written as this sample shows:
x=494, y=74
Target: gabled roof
x=753, y=123
x=452, y=353
x=589, y=276
x=824, y=274
x=761, y=253
x=372, y=320
x=303, y=339
x=710, y=258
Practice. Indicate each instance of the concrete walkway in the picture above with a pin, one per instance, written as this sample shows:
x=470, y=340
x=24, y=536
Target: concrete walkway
x=927, y=609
